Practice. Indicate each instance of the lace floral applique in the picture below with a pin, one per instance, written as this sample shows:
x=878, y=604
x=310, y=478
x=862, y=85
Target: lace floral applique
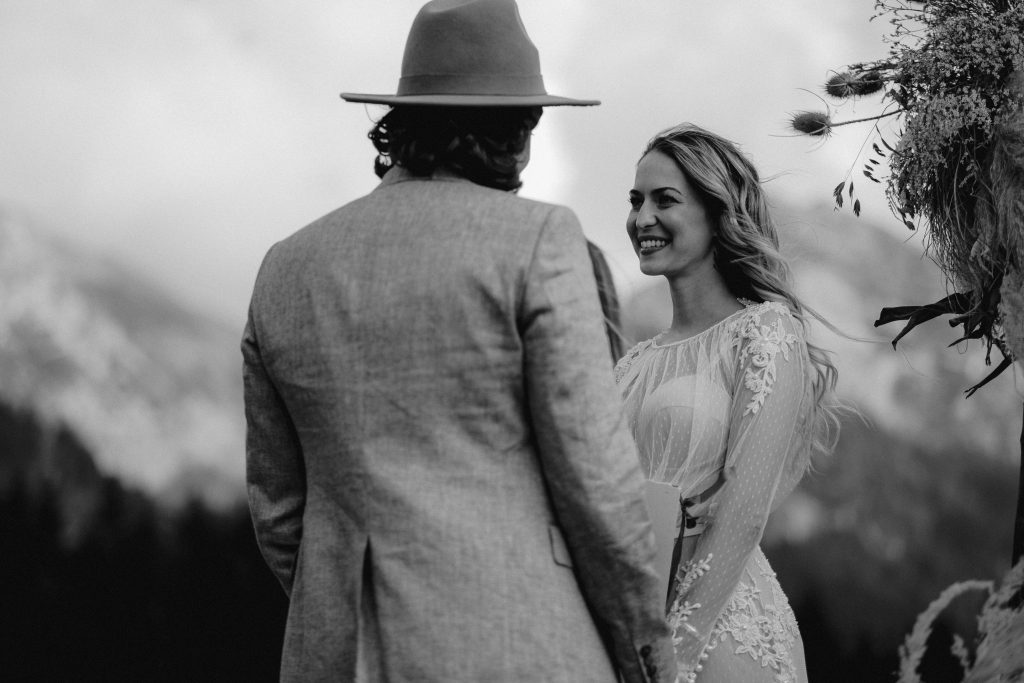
x=764, y=342
x=693, y=570
x=767, y=633
x=681, y=611
x=627, y=361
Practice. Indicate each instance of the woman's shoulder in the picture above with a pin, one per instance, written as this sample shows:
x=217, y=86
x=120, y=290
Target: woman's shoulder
x=765, y=309
x=766, y=334
x=763, y=330
x=766, y=318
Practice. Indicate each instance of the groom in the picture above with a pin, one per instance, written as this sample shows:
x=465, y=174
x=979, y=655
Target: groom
x=438, y=470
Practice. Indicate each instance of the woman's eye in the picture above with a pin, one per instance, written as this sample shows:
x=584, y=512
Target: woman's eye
x=635, y=202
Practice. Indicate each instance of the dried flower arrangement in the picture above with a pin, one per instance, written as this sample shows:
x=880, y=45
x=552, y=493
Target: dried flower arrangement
x=956, y=169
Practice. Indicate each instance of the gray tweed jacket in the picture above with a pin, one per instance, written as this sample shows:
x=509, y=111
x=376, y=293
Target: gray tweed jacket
x=438, y=469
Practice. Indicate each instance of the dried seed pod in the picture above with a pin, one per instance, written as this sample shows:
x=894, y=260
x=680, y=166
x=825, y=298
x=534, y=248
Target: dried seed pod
x=815, y=123
x=840, y=85
x=867, y=83
x=854, y=84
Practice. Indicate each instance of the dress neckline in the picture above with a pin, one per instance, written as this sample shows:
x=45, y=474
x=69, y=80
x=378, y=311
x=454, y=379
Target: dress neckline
x=656, y=343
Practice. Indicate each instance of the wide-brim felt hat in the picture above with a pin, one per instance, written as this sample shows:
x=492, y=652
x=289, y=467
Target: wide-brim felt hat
x=473, y=53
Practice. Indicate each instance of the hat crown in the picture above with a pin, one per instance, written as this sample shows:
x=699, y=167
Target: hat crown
x=469, y=53
x=470, y=47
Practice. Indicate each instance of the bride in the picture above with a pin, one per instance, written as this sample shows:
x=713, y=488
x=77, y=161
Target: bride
x=726, y=405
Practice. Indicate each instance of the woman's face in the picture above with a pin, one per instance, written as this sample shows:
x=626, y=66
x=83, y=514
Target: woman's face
x=668, y=224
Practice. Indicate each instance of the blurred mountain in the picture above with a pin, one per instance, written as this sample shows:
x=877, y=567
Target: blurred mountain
x=153, y=389
x=150, y=388
x=39, y=459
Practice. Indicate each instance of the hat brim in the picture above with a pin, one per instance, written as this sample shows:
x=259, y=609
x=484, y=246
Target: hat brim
x=470, y=100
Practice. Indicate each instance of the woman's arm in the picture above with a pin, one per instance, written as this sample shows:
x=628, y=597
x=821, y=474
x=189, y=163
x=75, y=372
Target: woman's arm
x=768, y=409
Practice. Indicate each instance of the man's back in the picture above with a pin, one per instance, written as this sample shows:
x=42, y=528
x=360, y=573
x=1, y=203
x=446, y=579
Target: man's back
x=408, y=339
x=438, y=471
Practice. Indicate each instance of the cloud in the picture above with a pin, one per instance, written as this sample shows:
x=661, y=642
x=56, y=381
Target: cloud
x=186, y=137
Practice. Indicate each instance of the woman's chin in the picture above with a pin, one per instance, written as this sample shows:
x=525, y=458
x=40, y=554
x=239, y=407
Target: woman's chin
x=648, y=267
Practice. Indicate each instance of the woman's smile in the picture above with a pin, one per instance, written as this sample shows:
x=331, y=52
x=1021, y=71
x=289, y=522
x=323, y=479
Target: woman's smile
x=649, y=245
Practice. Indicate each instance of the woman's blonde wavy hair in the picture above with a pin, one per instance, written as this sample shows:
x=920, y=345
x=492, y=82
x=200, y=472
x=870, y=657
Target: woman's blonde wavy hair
x=746, y=246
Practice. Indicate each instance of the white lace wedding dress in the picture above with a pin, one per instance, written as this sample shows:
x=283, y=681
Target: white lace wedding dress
x=724, y=416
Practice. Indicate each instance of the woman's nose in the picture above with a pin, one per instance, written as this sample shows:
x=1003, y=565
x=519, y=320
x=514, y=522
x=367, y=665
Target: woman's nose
x=645, y=216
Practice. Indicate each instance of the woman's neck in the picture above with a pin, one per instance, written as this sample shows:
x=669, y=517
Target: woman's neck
x=698, y=303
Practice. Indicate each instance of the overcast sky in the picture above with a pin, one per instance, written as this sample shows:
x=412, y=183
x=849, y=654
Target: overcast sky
x=184, y=137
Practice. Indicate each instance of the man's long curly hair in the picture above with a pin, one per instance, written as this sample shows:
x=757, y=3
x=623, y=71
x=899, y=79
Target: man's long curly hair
x=485, y=145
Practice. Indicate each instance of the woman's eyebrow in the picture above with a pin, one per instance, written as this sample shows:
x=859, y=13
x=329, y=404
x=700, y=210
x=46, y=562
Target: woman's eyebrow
x=657, y=190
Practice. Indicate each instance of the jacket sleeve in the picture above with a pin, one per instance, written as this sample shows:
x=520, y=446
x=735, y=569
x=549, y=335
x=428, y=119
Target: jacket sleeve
x=274, y=468
x=587, y=455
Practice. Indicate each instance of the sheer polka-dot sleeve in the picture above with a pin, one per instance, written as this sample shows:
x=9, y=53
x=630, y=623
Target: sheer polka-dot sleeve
x=769, y=400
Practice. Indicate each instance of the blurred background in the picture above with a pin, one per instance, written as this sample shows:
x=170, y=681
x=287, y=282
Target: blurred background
x=150, y=154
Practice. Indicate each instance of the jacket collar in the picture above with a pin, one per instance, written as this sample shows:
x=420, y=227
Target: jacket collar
x=397, y=174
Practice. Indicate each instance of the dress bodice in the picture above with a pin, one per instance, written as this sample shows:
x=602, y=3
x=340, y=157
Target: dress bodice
x=679, y=396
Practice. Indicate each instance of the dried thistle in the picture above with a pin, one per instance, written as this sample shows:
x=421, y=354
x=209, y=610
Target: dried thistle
x=854, y=84
x=840, y=85
x=818, y=124
x=868, y=83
